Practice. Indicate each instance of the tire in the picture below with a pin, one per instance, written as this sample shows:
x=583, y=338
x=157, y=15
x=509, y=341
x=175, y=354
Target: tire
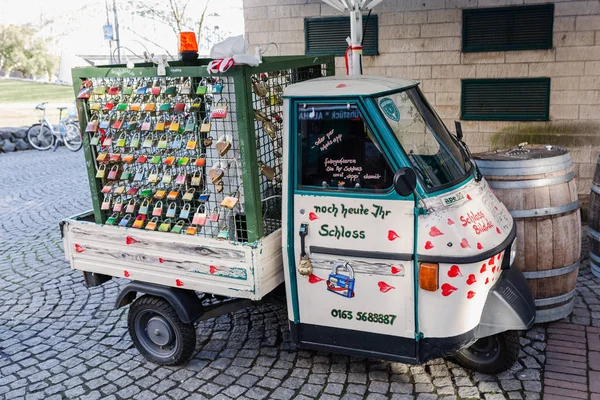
x=72, y=137
x=491, y=355
x=40, y=137
x=174, y=342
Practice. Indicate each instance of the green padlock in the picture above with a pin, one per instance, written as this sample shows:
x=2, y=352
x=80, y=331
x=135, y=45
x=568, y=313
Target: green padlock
x=145, y=192
x=155, y=160
x=112, y=219
x=178, y=227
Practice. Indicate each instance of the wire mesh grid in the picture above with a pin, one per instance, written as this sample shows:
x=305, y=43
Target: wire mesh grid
x=267, y=89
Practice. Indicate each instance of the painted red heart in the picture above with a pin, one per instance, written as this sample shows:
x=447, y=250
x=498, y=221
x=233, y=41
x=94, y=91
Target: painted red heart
x=471, y=279
x=498, y=230
x=392, y=235
x=483, y=269
x=496, y=207
x=487, y=280
x=79, y=249
x=447, y=289
x=384, y=287
x=312, y=278
x=492, y=260
x=469, y=197
x=499, y=256
x=126, y=274
x=433, y=232
x=464, y=243
x=428, y=245
x=178, y=282
x=341, y=85
x=130, y=240
x=479, y=246
x=450, y=222
x=212, y=269
x=454, y=271
x=493, y=278
x=494, y=269
x=470, y=294
x=312, y=216
x=396, y=270
x=161, y=260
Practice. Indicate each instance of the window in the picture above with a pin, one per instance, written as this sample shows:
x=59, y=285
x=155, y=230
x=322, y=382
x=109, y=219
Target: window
x=328, y=35
x=508, y=28
x=339, y=150
x=525, y=99
x=436, y=157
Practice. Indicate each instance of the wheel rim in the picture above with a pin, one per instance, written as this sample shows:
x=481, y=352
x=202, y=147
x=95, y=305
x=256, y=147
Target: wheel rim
x=72, y=137
x=155, y=334
x=41, y=137
x=483, y=351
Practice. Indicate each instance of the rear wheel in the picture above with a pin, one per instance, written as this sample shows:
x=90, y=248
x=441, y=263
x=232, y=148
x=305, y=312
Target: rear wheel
x=72, y=137
x=158, y=333
x=492, y=354
x=40, y=137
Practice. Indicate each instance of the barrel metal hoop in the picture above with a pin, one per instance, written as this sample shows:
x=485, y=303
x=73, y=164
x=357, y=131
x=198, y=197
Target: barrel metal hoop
x=553, y=314
x=595, y=258
x=594, y=234
x=520, y=171
x=595, y=268
x=595, y=188
x=537, y=162
x=553, y=300
x=532, y=183
x=543, y=212
x=551, y=272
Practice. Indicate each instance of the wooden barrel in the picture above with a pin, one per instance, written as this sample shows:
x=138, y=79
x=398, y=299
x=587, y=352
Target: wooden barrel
x=594, y=222
x=536, y=184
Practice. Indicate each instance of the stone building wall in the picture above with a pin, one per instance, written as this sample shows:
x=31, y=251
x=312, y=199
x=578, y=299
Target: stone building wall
x=421, y=40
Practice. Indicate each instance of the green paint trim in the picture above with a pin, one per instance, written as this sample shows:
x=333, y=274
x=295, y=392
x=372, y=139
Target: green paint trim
x=290, y=221
x=417, y=212
x=352, y=96
x=545, y=116
x=248, y=155
x=340, y=50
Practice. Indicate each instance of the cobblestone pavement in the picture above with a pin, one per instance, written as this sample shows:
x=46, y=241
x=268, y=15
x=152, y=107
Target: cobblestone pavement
x=60, y=340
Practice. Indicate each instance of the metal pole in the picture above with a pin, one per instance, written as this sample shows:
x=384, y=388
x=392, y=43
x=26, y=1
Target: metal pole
x=111, y=59
x=356, y=35
x=117, y=32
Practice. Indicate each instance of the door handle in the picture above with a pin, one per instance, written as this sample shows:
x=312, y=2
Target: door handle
x=303, y=232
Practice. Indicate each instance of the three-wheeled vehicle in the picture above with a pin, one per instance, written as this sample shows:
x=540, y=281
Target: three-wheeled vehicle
x=391, y=244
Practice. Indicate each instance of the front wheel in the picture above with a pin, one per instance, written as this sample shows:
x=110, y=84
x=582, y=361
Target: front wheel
x=492, y=354
x=40, y=137
x=158, y=333
x=72, y=137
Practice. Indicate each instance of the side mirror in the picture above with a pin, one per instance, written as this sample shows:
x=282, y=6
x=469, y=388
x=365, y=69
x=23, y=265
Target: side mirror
x=405, y=181
x=459, y=134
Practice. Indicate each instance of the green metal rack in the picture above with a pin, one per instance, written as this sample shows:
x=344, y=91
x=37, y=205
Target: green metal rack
x=253, y=127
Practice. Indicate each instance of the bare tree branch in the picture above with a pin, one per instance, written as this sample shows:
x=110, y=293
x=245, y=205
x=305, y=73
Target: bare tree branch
x=148, y=40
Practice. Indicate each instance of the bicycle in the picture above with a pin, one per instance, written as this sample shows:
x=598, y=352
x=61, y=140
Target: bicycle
x=42, y=136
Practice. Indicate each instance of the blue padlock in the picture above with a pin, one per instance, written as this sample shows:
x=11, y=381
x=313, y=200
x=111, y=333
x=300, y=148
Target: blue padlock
x=217, y=87
x=341, y=280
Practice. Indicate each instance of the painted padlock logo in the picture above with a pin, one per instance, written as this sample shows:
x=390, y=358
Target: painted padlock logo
x=341, y=280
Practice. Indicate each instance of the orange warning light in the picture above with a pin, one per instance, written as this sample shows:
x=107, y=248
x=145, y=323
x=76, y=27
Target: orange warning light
x=187, y=42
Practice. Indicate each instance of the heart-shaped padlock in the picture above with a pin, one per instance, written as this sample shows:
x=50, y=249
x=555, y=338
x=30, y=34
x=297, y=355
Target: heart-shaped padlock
x=207, y=142
x=223, y=145
x=215, y=174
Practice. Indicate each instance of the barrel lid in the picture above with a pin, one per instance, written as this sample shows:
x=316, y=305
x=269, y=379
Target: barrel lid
x=522, y=152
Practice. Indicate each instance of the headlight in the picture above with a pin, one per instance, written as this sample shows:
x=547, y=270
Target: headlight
x=513, y=252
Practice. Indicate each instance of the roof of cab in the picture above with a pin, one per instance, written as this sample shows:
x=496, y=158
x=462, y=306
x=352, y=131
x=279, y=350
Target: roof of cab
x=362, y=85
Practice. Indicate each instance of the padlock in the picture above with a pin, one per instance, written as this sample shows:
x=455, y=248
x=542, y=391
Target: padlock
x=259, y=88
x=106, y=203
x=155, y=90
x=128, y=158
x=179, y=107
x=165, y=226
x=118, y=123
x=231, y=201
x=185, y=211
x=132, y=124
x=142, y=159
x=146, y=192
x=120, y=189
x=144, y=207
x=217, y=88
x=132, y=191
x=135, y=141
x=219, y=187
x=215, y=215
x=266, y=170
x=170, y=160
x=162, y=142
x=160, y=124
x=107, y=142
x=215, y=174
x=195, y=106
x=105, y=123
x=191, y=230
x=107, y=188
x=171, y=210
x=92, y=125
x=190, y=125
x=113, y=173
x=100, y=89
x=167, y=177
x=219, y=111
x=183, y=161
x=205, y=127
x=200, y=217
x=160, y=194
x=100, y=158
x=114, y=158
x=121, y=141
x=270, y=129
x=130, y=209
x=122, y=107
x=196, y=179
x=339, y=282
x=305, y=266
x=118, y=205
x=176, y=143
x=156, y=160
x=204, y=196
x=125, y=221
x=223, y=144
x=201, y=89
x=207, y=142
x=186, y=89
x=112, y=219
x=151, y=225
x=181, y=178
x=153, y=176
x=95, y=140
x=173, y=195
x=189, y=195
x=164, y=108
x=126, y=175
x=139, y=175
x=178, y=227
x=158, y=209
x=200, y=161
x=174, y=126
x=139, y=221
x=148, y=141
x=191, y=143
x=223, y=233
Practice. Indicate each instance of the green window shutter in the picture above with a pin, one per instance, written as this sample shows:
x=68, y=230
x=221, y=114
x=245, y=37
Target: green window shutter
x=525, y=99
x=508, y=28
x=328, y=35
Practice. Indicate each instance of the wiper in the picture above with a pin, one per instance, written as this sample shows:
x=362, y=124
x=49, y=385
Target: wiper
x=466, y=152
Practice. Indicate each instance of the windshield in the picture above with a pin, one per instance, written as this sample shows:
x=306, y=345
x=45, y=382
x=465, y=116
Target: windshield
x=436, y=156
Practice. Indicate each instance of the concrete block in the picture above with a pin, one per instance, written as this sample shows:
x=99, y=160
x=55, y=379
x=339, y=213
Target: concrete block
x=415, y=17
x=390, y=18
x=390, y=60
x=292, y=49
x=291, y=24
x=421, y=5
x=455, y=71
x=575, y=97
x=447, y=99
x=258, y=38
x=582, y=154
x=401, y=45
x=281, y=37
x=437, y=16
x=262, y=25
x=587, y=170
x=556, y=69
x=495, y=126
x=584, y=185
x=589, y=112
x=255, y=13
x=441, y=30
x=448, y=111
x=442, y=44
x=496, y=3
x=578, y=53
x=399, y=31
x=576, y=8
x=561, y=112
x=502, y=71
x=592, y=68
x=530, y=56
x=438, y=58
x=589, y=82
x=588, y=23
x=564, y=24
x=583, y=38
x=565, y=83
x=443, y=85
x=488, y=57
x=416, y=73
x=461, y=3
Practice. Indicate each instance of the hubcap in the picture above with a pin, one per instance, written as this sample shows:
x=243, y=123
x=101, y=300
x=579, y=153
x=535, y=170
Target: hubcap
x=484, y=350
x=159, y=331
